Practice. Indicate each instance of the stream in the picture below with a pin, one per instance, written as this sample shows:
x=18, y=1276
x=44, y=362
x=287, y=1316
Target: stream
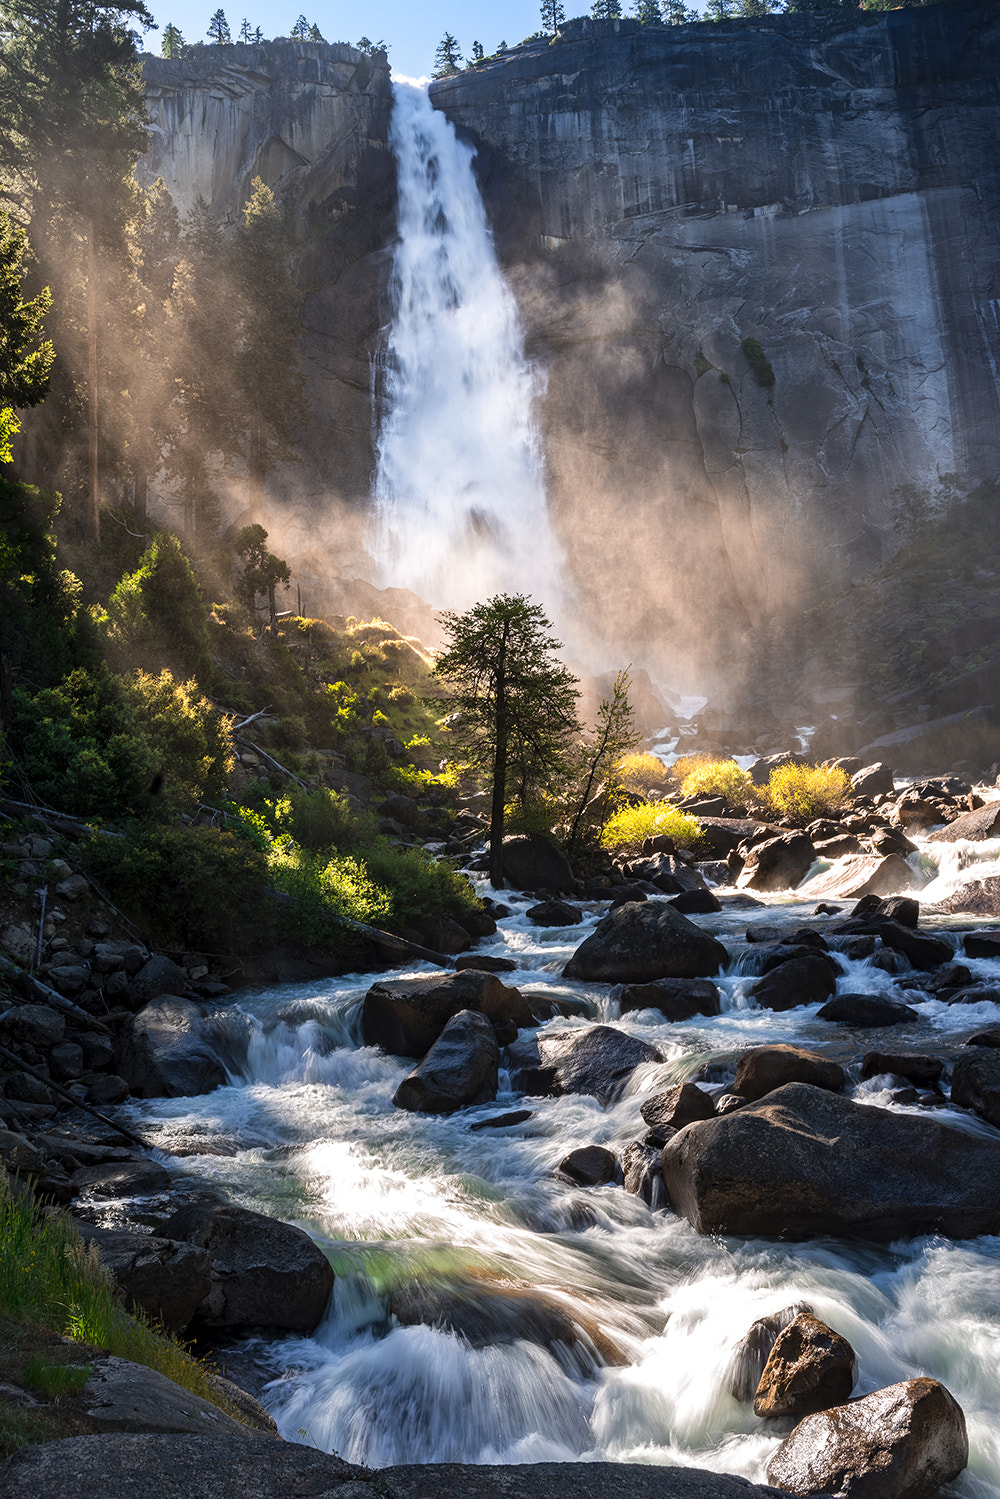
x=306, y=1131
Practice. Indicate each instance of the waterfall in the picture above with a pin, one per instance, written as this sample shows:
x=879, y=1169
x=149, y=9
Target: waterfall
x=460, y=507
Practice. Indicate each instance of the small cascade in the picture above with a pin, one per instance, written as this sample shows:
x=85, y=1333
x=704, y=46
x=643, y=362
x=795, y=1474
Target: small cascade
x=460, y=508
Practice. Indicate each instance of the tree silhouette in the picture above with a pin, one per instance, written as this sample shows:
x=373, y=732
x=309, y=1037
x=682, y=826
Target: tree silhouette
x=172, y=44
x=553, y=15
x=447, y=58
x=218, y=29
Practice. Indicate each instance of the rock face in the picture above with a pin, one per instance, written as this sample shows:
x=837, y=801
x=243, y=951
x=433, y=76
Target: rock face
x=975, y=1084
x=803, y=1161
x=765, y=1068
x=656, y=210
x=902, y=1442
x=459, y=1069
x=122, y=1396
x=406, y=1016
x=639, y=943
x=676, y=999
x=166, y=1051
x=163, y=1278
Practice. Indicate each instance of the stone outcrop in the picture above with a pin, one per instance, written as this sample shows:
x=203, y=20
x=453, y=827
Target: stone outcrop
x=166, y=1051
x=460, y=1068
x=636, y=944
x=406, y=1016
x=599, y=1060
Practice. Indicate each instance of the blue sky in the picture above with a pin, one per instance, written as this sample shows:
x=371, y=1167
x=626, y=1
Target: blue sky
x=412, y=31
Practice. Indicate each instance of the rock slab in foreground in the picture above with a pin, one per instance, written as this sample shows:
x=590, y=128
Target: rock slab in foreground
x=902, y=1442
x=123, y=1396
x=254, y=1467
x=803, y=1162
x=639, y=943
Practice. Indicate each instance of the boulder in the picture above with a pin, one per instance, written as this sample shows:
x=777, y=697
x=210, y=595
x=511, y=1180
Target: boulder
x=863, y=874
x=696, y=903
x=598, y=1060
x=19, y=1155
x=803, y=1161
x=591, y=1165
x=807, y=980
x=38, y=1025
x=765, y=1068
x=873, y=780
x=122, y=1396
x=989, y=1037
x=923, y=951
x=485, y=963
x=975, y=1083
x=264, y=1273
x=777, y=864
x=443, y=935
x=865, y=1010
x=166, y=1051
x=918, y=1069
x=163, y=1278
x=122, y=1179
x=977, y=897
x=637, y=943
x=902, y=1442
x=554, y=913
x=810, y=1368
x=406, y=1016
x=980, y=994
x=535, y=863
x=107, y=1090
x=402, y=809
x=725, y=834
x=460, y=1068
x=667, y=1112
x=676, y=999
x=982, y=944
x=159, y=976
x=754, y=1349
x=502, y=1121
x=976, y=826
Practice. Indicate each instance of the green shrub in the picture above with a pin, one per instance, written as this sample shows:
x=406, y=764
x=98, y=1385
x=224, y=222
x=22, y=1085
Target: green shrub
x=758, y=362
x=804, y=792
x=641, y=773
x=39, y=602
x=718, y=778
x=626, y=831
x=157, y=615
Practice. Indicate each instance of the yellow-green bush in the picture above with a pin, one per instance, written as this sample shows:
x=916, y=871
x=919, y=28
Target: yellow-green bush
x=630, y=826
x=803, y=792
x=640, y=773
x=718, y=778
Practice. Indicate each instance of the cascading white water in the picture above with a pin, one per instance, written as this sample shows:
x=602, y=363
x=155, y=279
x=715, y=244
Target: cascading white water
x=460, y=508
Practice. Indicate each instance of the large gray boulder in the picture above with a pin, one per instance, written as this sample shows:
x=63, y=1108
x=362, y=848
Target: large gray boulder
x=803, y=1161
x=460, y=1068
x=599, y=1060
x=264, y=1273
x=122, y=1396
x=901, y=1442
x=676, y=999
x=167, y=1051
x=638, y=943
x=983, y=823
x=531, y=862
x=406, y=1016
x=777, y=864
x=163, y=1278
x=766, y=1068
x=975, y=1083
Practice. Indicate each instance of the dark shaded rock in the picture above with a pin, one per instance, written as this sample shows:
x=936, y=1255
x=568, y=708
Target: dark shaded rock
x=754, y=1349
x=501, y=1121
x=776, y=864
x=264, y=1273
x=799, y=981
x=159, y=976
x=841, y=845
x=760, y=1071
x=66, y=1061
x=535, y=863
x=985, y=1038
x=460, y=1068
x=641, y=1173
x=902, y=1442
x=479, y=924
x=696, y=903
x=975, y=1083
x=484, y=963
x=598, y=1060
x=865, y=1010
x=981, y=994
x=251, y=1412
x=591, y=1165
x=667, y=1112
x=919, y=1069
x=122, y=1396
x=785, y=952
x=725, y=834
x=803, y=1161
x=107, y=1090
x=443, y=935
x=638, y=943
x=554, y=913
x=873, y=780
x=810, y=1368
x=922, y=951
x=165, y=1279
x=38, y=1025
x=983, y=823
x=122, y=1179
x=984, y=944
x=406, y=1016
x=886, y=841
x=166, y=1051
x=676, y=999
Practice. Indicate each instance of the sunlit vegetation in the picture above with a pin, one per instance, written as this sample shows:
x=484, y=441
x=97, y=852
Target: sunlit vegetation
x=804, y=792
x=707, y=777
x=627, y=829
x=642, y=773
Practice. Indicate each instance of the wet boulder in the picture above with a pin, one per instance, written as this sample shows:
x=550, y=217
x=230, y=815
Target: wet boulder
x=676, y=999
x=873, y=780
x=696, y=903
x=765, y=1068
x=531, y=862
x=865, y=1011
x=590, y=1166
x=638, y=943
x=599, y=1060
x=754, y=1349
x=406, y=1016
x=167, y=1051
x=805, y=980
x=641, y=1175
x=137, y=1178
x=983, y=823
x=810, y=1368
x=864, y=874
x=264, y=1273
x=159, y=976
x=975, y=1083
x=924, y=1070
x=554, y=913
x=667, y=1112
x=982, y=944
x=778, y=863
x=901, y=1442
x=803, y=1161
x=460, y=1069
x=922, y=951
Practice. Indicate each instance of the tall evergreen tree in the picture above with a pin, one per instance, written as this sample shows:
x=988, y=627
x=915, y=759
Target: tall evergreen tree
x=300, y=30
x=647, y=12
x=246, y=31
x=447, y=58
x=606, y=10
x=218, y=29
x=24, y=370
x=676, y=13
x=172, y=44
x=315, y=35
x=553, y=15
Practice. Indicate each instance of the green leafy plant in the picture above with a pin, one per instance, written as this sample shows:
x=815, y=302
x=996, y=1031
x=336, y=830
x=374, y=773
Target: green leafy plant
x=629, y=827
x=804, y=792
x=718, y=778
x=758, y=362
x=640, y=773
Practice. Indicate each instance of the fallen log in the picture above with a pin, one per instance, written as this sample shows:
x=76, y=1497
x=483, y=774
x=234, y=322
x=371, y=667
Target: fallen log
x=48, y=1082
x=36, y=990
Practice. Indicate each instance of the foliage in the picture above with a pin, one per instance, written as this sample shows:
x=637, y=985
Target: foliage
x=157, y=614
x=101, y=745
x=55, y=1380
x=447, y=57
x=38, y=599
x=517, y=705
x=718, y=778
x=262, y=570
x=369, y=48
x=629, y=827
x=641, y=773
x=614, y=735
x=804, y=792
x=218, y=29
x=172, y=43
x=758, y=362
x=24, y=375
x=553, y=15
x=606, y=10
x=48, y=1277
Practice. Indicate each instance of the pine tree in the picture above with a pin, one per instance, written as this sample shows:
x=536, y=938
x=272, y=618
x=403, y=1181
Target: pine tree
x=258, y=36
x=720, y=10
x=676, y=13
x=477, y=52
x=315, y=35
x=172, y=44
x=447, y=58
x=262, y=570
x=606, y=10
x=24, y=372
x=218, y=29
x=246, y=31
x=553, y=15
x=369, y=48
x=614, y=736
x=300, y=30
x=516, y=703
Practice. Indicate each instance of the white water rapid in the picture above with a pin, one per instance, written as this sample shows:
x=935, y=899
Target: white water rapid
x=460, y=510
x=408, y=1204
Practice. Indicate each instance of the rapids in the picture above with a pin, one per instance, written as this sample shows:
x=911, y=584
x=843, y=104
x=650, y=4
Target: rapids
x=306, y=1131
